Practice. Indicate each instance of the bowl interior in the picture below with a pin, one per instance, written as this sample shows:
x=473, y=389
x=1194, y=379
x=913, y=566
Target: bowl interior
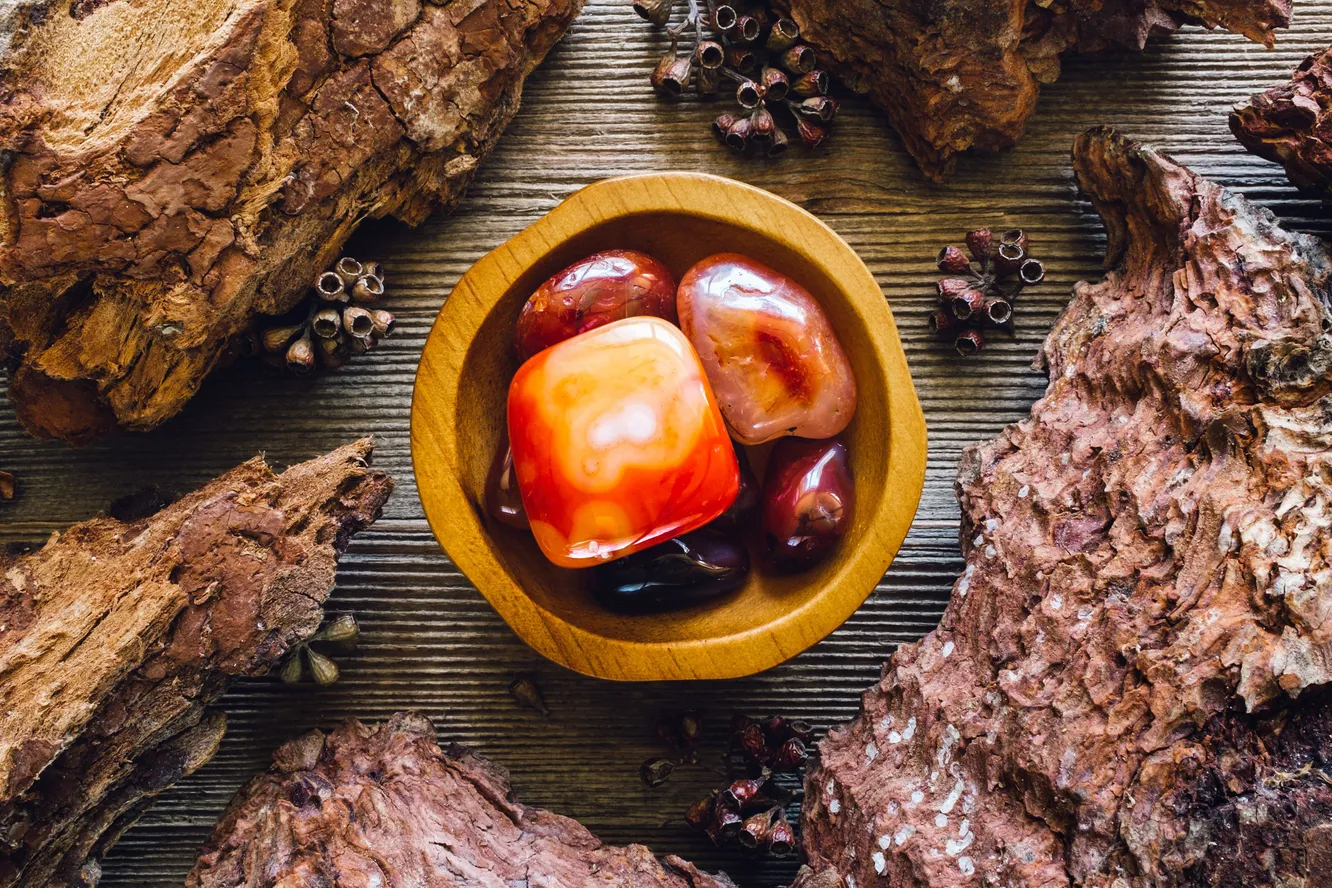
x=679, y=239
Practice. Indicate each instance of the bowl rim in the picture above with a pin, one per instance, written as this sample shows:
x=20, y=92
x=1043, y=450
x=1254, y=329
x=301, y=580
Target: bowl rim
x=454, y=519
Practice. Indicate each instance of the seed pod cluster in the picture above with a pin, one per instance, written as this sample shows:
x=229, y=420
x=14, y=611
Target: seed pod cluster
x=750, y=811
x=339, y=634
x=339, y=322
x=756, y=54
x=983, y=283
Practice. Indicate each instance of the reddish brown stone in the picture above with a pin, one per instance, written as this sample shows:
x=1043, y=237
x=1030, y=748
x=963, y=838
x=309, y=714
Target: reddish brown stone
x=1131, y=684
x=1291, y=125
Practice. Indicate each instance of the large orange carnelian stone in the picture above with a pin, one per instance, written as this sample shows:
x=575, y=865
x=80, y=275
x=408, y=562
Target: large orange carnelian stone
x=618, y=443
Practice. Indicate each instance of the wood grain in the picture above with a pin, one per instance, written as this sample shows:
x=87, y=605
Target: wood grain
x=458, y=411
x=432, y=642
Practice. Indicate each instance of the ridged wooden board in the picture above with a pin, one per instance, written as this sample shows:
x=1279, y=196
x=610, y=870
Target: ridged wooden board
x=431, y=641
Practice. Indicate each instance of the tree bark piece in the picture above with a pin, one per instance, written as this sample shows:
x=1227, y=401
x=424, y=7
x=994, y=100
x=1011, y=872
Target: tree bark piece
x=385, y=805
x=1130, y=685
x=1291, y=125
x=176, y=169
x=960, y=74
x=115, y=637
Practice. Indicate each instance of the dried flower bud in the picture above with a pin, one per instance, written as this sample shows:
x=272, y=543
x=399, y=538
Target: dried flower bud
x=799, y=59
x=820, y=108
x=942, y=322
x=1008, y=257
x=707, y=81
x=724, y=826
x=1031, y=272
x=332, y=352
x=341, y=630
x=741, y=792
x=813, y=83
x=658, y=12
x=748, y=95
x=348, y=269
x=791, y=755
x=774, y=83
x=331, y=287
x=978, y=242
x=384, y=322
x=525, y=691
x=811, y=133
x=762, y=125
x=700, y=813
x=953, y=261
x=998, y=310
x=710, y=54
x=754, y=831
x=969, y=342
x=747, y=29
x=292, y=669
x=741, y=58
x=785, y=32
x=326, y=322
x=276, y=339
x=323, y=670
x=778, y=144
x=724, y=17
x=722, y=125
x=950, y=287
x=300, y=355
x=737, y=137
x=967, y=303
x=1014, y=236
x=781, y=838
x=656, y=771
x=358, y=322
x=367, y=289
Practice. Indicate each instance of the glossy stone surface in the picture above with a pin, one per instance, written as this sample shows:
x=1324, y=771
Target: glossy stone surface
x=605, y=287
x=774, y=361
x=618, y=443
x=742, y=515
x=503, y=501
x=808, y=502
x=689, y=569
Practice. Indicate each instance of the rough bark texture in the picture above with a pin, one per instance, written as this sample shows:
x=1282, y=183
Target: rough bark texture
x=1130, y=686
x=1292, y=126
x=960, y=74
x=115, y=636
x=386, y=806
x=170, y=170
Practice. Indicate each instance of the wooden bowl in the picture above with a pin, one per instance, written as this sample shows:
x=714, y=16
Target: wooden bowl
x=458, y=411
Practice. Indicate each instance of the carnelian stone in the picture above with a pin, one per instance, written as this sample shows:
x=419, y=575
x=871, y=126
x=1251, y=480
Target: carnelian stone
x=618, y=443
x=597, y=290
x=770, y=353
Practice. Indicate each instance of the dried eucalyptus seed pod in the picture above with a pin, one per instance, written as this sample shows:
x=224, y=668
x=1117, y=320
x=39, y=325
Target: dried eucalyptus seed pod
x=820, y=108
x=998, y=311
x=969, y=342
x=348, y=269
x=762, y=125
x=811, y=133
x=754, y=831
x=801, y=730
x=749, y=95
x=724, y=17
x=276, y=339
x=778, y=144
x=341, y=630
x=781, y=838
x=707, y=81
x=791, y=755
x=814, y=83
x=953, y=261
x=323, y=670
x=967, y=303
x=658, y=12
x=331, y=287
x=950, y=287
x=1008, y=257
x=358, y=322
x=384, y=322
x=367, y=289
x=700, y=813
x=656, y=771
x=785, y=32
x=774, y=83
x=722, y=125
x=1031, y=272
x=737, y=137
x=741, y=58
x=292, y=670
x=799, y=59
x=333, y=352
x=710, y=55
x=978, y=242
x=942, y=322
x=326, y=323
x=1014, y=236
x=740, y=792
x=675, y=77
x=300, y=355
x=524, y=690
x=663, y=65
x=747, y=29
x=372, y=269
x=724, y=826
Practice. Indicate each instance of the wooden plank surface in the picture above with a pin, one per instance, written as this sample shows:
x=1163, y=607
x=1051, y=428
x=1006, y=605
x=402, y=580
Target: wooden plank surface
x=431, y=642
